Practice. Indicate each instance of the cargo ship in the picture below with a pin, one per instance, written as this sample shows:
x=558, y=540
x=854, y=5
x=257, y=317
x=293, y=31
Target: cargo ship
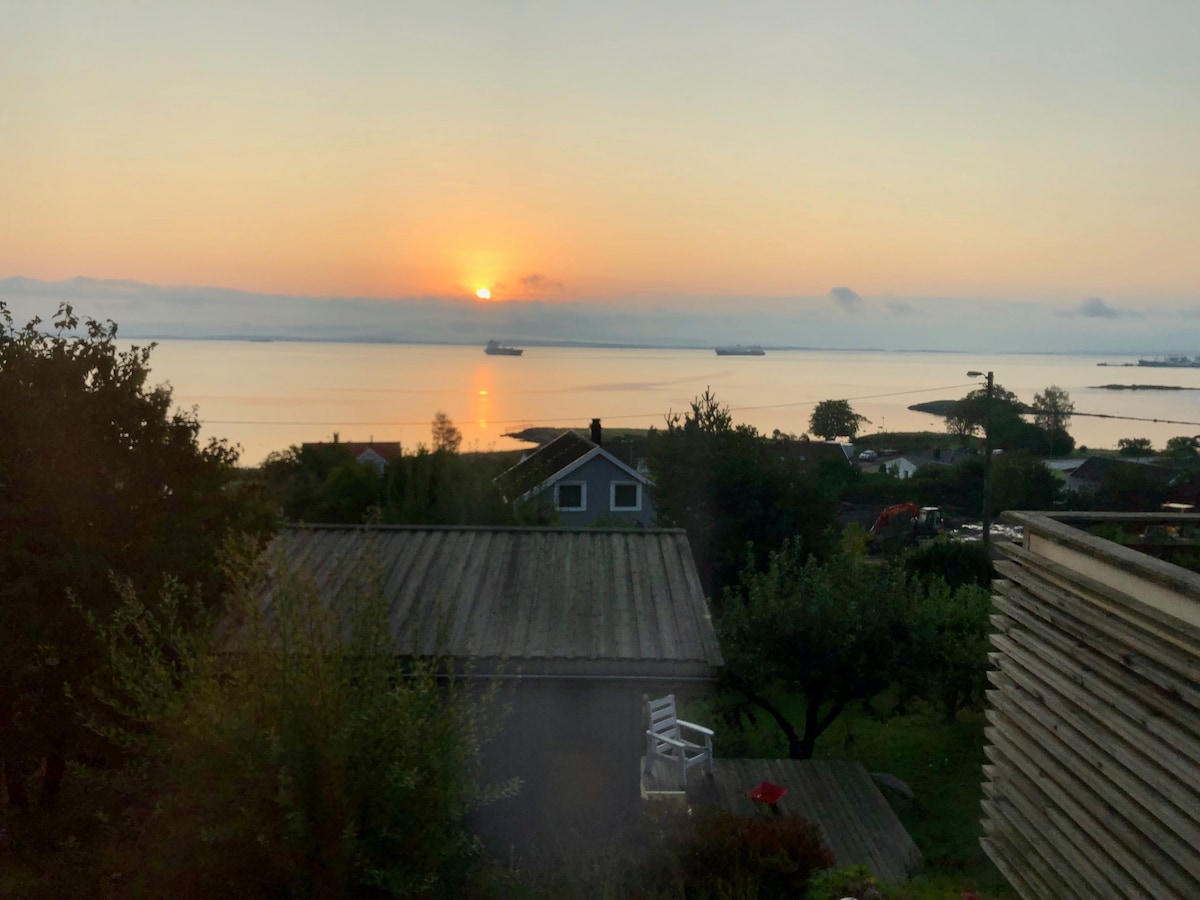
x=495, y=349
x=739, y=350
x=1172, y=361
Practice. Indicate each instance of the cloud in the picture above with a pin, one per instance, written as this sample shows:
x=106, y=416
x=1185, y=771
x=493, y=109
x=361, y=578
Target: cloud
x=542, y=284
x=846, y=298
x=147, y=311
x=1096, y=308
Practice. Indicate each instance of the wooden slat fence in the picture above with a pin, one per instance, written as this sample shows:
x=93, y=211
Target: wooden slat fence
x=1092, y=785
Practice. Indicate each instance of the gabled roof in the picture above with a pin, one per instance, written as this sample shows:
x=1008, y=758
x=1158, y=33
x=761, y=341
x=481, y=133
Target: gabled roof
x=385, y=449
x=1095, y=468
x=948, y=457
x=553, y=461
x=555, y=601
x=811, y=453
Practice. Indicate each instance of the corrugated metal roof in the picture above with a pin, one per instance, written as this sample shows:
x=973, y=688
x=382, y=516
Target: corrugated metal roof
x=555, y=601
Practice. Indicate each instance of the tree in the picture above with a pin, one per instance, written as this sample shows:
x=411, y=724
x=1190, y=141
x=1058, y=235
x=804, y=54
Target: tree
x=1131, y=487
x=308, y=762
x=728, y=486
x=1183, y=448
x=834, y=632
x=1021, y=481
x=972, y=413
x=957, y=562
x=1135, y=447
x=323, y=483
x=1052, y=410
x=446, y=435
x=835, y=418
x=443, y=488
x=98, y=478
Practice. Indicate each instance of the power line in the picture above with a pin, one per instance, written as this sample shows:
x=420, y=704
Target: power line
x=1135, y=418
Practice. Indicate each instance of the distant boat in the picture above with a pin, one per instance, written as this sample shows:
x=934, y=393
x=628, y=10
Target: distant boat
x=494, y=349
x=739, y=350
x=1172, y=361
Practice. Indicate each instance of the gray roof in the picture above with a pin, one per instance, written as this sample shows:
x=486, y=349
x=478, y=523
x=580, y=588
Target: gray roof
x=946, y=457
x=553, y=460
x=1095, y=468
x=555, y=601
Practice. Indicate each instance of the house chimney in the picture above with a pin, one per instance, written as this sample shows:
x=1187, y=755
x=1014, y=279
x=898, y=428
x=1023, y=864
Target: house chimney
x=596, y=431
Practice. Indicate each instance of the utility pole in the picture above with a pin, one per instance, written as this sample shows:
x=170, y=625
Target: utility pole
x=987, y=466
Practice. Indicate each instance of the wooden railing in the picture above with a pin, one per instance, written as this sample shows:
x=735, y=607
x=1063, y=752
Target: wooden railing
x=1092, y=780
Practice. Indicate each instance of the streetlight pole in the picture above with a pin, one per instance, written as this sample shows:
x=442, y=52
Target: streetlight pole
x=987, y=465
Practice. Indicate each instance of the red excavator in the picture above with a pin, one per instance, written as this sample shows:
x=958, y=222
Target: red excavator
x=908, y=522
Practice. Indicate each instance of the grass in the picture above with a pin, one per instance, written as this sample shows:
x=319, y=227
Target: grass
x=941, y=763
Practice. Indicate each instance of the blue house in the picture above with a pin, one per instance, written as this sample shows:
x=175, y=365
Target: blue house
x=578, y=482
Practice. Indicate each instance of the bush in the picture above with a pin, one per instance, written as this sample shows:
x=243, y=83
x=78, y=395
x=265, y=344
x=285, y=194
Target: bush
x=286, y=752
x=836, y=884
x=781, y=853
x=958, y=562
x=669, y=853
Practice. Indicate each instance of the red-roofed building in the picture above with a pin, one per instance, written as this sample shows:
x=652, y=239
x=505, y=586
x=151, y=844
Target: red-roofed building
x=375, y=453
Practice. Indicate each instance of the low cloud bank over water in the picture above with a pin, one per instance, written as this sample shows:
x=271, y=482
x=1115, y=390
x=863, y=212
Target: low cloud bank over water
x=850, y=321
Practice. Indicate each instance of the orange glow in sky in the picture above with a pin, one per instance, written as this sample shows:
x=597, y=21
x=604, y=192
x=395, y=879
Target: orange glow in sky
x=992, y=151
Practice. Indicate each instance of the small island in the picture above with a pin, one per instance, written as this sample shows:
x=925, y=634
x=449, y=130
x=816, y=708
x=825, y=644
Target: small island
x=1143, y=387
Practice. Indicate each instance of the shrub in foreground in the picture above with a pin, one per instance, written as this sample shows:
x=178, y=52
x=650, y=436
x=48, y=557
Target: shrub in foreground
x=670, y=854
x=286, y=752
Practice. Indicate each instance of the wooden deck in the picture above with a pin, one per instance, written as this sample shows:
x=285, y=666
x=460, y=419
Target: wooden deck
x=860, y=828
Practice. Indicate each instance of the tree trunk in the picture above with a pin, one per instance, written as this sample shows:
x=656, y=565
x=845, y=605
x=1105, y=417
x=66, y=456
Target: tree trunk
x=12, y=765
x=14, y=782
x=812, y=725
x=789, y=731
x=56, y=767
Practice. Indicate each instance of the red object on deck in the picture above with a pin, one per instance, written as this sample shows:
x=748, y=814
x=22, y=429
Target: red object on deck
x=765, y=792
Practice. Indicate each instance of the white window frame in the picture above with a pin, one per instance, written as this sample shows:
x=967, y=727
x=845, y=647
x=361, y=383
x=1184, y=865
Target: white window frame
x=582, y=496
x=612, y=496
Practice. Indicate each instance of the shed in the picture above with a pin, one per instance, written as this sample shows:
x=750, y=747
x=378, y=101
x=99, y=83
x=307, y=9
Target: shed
x=577, y=623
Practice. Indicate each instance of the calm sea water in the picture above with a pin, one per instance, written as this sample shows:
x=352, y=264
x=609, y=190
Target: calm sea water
x=268, y=396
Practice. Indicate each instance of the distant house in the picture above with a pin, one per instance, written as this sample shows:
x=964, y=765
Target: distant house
x=1186, y=491
x=1095, y=469
x=581, y=482
x=578, y=624
x=908, y=464
x=807, y=455
x=1064, y=466
x=373, y=453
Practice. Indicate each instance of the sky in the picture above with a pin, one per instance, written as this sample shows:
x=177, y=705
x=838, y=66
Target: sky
x=928, y=173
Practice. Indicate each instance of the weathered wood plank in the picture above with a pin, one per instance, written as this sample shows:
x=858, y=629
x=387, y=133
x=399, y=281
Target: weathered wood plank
x=1165, y=716
x=1138, y=839
x=1072, y=743
x=1117, y=732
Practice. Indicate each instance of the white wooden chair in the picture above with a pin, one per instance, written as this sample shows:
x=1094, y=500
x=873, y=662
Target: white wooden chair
x=665, y=740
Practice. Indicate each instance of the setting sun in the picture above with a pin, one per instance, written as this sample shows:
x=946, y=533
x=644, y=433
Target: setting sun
x=483, y=294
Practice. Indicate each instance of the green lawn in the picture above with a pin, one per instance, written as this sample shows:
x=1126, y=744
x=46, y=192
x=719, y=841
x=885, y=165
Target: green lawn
x=940, y=762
